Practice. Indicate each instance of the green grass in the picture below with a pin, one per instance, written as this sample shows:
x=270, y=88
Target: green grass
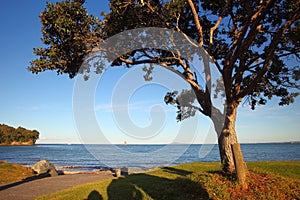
x=13, y=173
x=290, y=169
x=267, y=180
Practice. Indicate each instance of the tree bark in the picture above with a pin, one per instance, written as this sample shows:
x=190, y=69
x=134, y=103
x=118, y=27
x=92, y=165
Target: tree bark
x=239, y=165
x=227, y=137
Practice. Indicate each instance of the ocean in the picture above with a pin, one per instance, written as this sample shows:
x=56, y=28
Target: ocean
x=90, y=157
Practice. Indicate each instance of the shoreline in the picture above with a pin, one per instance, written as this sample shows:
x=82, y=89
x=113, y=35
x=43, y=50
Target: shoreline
x=159, y=144
x=69, y=170
x=29, y=143
x=77, y=159
x=66, y=170
x=16, y=145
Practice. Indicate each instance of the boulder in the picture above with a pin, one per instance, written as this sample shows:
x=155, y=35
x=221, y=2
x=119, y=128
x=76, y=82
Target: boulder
x=44, y=167
x=124, y=171
x=116, y=172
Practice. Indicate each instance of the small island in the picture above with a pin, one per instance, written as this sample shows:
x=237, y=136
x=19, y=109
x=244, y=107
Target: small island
x=10, y=136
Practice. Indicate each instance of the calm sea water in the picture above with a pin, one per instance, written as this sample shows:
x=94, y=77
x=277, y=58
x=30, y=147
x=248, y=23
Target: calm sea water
x=88, y=157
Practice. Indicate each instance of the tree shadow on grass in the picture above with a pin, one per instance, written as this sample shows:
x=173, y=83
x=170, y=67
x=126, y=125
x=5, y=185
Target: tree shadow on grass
x=146, y=186
x=94, y=195
x=176, y=171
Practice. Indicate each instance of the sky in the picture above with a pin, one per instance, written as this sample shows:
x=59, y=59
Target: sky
x=47, y=102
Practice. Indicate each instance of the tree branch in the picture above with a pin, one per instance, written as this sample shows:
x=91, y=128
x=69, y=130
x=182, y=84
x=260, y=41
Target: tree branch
x=255, y=25
x=271, y=50
x=202, y=97
x=214, y=28
x=238, y=43
x=197, y=22
x=192, y=82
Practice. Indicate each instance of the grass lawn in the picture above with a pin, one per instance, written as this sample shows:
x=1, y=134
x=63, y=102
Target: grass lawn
x=13, y=173
x=266, y=180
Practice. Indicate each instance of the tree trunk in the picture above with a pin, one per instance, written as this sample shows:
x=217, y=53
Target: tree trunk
x=227, y=137
x=239, y=165
x=224, y=124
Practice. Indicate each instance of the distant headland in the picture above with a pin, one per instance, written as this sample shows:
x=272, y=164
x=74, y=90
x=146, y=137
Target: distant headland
x=10, y=136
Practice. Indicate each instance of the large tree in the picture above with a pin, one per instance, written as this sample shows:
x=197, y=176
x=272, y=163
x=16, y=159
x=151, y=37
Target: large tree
x=254, y=45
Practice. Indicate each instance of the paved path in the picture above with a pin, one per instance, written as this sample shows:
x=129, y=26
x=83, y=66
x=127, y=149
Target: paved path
x=30, y=189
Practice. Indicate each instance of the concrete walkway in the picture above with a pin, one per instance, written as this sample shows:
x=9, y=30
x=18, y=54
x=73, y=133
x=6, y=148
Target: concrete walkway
x=31, y=189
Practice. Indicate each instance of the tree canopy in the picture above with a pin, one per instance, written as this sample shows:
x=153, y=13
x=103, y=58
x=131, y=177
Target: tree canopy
x=69, y=33
x=10, y=135
x=253, y=44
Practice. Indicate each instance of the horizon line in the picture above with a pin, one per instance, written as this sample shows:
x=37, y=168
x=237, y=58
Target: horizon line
x=68, y=143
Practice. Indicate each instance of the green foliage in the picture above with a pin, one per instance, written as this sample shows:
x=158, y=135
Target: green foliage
x=246, y=47
x=253, y=44
x=126, y=15
x=184, y=103
x=254, y=52
x=69, y=33
x=9, y=135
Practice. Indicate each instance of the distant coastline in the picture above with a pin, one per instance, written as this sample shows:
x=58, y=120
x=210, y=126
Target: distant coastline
x=291, y=142
x=29, y=143
x=130, y=144
x=10, y=136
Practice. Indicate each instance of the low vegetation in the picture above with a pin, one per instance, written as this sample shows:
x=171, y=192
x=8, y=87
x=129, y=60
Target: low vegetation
x=17, y=136
x=13, y=173
x=266, y=180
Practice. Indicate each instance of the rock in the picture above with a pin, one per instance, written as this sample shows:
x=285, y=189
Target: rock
x=124, y=171
x=116, y=172
x=44, y=167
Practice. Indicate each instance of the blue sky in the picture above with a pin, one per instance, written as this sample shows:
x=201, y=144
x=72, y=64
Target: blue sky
x=45, y=102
